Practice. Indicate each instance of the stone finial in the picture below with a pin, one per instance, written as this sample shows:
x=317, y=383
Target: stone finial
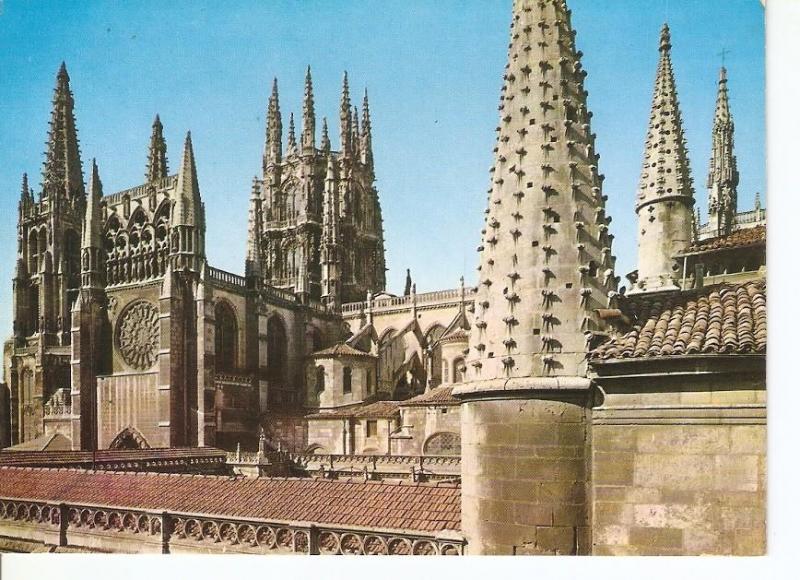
x=309, y=119
x=345, y=119
x=723, y=174
x=366, y=133
x=273, y=148
x=326, y=140
x=255, y=226
x=291, y=141
x=407, y=289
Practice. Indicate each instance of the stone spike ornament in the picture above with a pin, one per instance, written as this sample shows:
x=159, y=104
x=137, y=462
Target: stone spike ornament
x=723, y=175
x=187, y=190
x=355, y=140
x=540, y=234
x=273, y=148
x=309, y=119
x=366, y=133
x=665, y=197
x=325, y=141
x=63, y=174
x=255, y=227
x=157, y=154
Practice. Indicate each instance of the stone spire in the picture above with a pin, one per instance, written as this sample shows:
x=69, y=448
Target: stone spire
x=187, y=190
x=665, y=196
x=91, y=241
x=326, y=140
x=309, y=120
x=157, y=154
x=331, y=283
x=723, y=176
x=63, y=174
x=291, y=140
x=345, y=119
x=545, y=233
x=366, y=133
x=273, y=148
x=255, y=225
x=25, y=196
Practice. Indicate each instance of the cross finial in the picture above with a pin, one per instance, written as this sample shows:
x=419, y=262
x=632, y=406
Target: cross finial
x=723, y=53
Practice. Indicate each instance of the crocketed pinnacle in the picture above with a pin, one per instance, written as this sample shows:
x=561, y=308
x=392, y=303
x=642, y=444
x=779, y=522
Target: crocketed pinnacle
x=25, y=193
x=665, y=170
x=273, y=147
x=157, y=154
x=309, y=121
x=723, y=175
x=545, y=253
x=63, y=174
x=255, y=225
x=326, y=140
x=355, y=139
x=291, y=141
x=366, y=132
x=187, y=190
x=345, y=119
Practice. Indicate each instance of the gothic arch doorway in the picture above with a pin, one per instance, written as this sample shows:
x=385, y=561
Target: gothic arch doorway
x=129, y=438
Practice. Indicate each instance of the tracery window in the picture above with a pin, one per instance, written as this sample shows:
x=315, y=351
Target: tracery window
x=443, y=443
x=276, y=350
x=225, y=337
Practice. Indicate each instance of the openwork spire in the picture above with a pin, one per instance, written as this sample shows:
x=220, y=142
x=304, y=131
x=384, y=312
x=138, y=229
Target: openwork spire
x=309, y=120
x=273, y=148
x=545, y=255
x=157, y=154
x=723, y=175
x=665, y=196
x=345, y=119
x=63, y=174
x=255, y=226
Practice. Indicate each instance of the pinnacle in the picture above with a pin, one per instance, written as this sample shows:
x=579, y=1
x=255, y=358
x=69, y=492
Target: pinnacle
x=62, y=173
x=326, y=140
x=157, y=154
x=665, y=44
x=291, y=140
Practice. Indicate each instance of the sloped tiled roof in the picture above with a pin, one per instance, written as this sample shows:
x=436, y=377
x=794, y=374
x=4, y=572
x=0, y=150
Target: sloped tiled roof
x=407, y=506
x=376, y=410
x=437, y=396
x=457, y=335
x=52, y=442
x=723, y=319
x=738, y=239
x=341, y=349
x=105, y=456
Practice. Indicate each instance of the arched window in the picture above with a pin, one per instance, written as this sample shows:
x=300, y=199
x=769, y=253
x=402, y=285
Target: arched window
x=320, y=378
x=33, y=253
x=442, y=443
x=129, y=438
x=459, y=368
x=347, y=380
x=225, y=337
x=276, y=351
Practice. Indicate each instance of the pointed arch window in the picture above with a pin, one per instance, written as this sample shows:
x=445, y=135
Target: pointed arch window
x=226, y=337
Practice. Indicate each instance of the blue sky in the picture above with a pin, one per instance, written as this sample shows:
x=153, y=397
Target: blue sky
x=433, y=69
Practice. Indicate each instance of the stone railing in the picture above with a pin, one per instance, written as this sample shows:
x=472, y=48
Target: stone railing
x=226, y=278
x=139, y=190
x=405, y=302
x=130, y=530
x=57, y=411
x=375, y=467
x=238, y=380
x=279, y=293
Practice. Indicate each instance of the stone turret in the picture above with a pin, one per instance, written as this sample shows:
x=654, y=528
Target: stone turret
x=723, y=175
x=63, y=174
x=157, y=154
x=665, y=197
x=545, y=266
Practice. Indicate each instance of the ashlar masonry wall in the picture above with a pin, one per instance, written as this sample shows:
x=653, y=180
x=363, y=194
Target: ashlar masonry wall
x=679, y=466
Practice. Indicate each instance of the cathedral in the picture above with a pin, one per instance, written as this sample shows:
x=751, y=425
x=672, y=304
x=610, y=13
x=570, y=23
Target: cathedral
x=584, y=415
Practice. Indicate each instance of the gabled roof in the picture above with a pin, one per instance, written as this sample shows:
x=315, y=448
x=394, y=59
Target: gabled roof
x=442, y=395
x=716, y=320
x=341, y=349
x=52, y=442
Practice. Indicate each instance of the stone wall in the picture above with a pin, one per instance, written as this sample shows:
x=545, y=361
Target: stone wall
x=419, y=423
x=679, y=467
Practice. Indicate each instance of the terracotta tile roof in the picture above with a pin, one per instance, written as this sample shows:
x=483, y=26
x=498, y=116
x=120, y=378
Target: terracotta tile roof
x=420, y=507
x=79, y=458
x=738, y=239
x=723, y=319
x=437, y=396
x=341, y=349
x=376, y=410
